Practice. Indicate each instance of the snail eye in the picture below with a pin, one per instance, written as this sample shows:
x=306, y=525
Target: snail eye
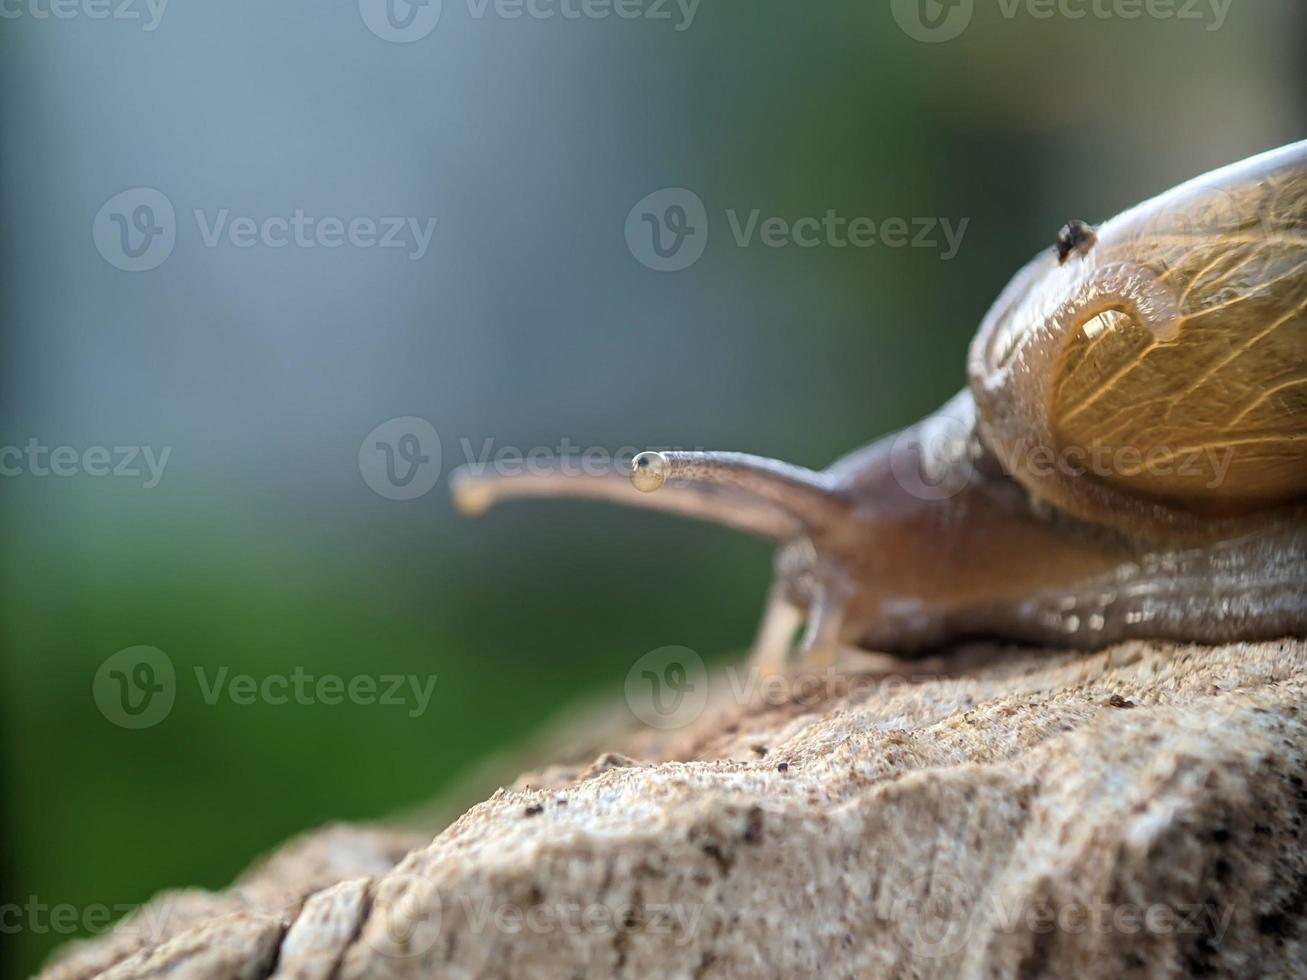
x=1077, y=237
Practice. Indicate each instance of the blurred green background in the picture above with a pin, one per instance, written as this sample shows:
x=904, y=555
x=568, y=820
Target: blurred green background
x=528, y=322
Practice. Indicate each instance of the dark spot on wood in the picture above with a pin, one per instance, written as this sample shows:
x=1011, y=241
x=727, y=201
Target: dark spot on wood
x=783, y=767
x=760, y=749
x=1036, y=962
x=1274, y=924
x=1222, y=870
x=534, y=809
x=715, y=852
x=1284, y=921
x=1116, y=701
x=753, y=826
x=1074, y=236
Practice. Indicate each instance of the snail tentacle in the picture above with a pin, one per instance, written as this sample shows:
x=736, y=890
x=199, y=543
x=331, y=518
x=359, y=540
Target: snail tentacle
x=476, y=492
x=811, y=498
x=774, y=641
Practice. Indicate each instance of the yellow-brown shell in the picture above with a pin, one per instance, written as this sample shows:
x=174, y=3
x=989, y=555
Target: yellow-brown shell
x=1168, y=362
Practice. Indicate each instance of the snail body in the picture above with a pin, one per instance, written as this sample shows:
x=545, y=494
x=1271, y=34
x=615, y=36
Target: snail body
x=1129, y=459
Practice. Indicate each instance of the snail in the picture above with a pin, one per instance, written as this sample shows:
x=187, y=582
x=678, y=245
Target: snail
x=1128, y=460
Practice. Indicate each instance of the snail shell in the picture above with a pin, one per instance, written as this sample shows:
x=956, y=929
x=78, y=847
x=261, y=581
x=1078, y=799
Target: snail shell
x=1172, y=350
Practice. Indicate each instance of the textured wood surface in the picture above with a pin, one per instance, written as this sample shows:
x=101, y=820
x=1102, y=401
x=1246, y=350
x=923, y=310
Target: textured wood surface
x=1137, y=812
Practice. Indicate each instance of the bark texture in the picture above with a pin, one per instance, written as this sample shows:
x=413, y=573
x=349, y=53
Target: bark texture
x=1133, y=813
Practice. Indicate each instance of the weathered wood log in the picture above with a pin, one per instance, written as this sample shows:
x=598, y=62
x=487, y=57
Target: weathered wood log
x=1137, y=812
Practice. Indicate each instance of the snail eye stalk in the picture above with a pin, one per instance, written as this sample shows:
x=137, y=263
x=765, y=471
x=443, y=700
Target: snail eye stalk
x=811, y=498
x=476, y=490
